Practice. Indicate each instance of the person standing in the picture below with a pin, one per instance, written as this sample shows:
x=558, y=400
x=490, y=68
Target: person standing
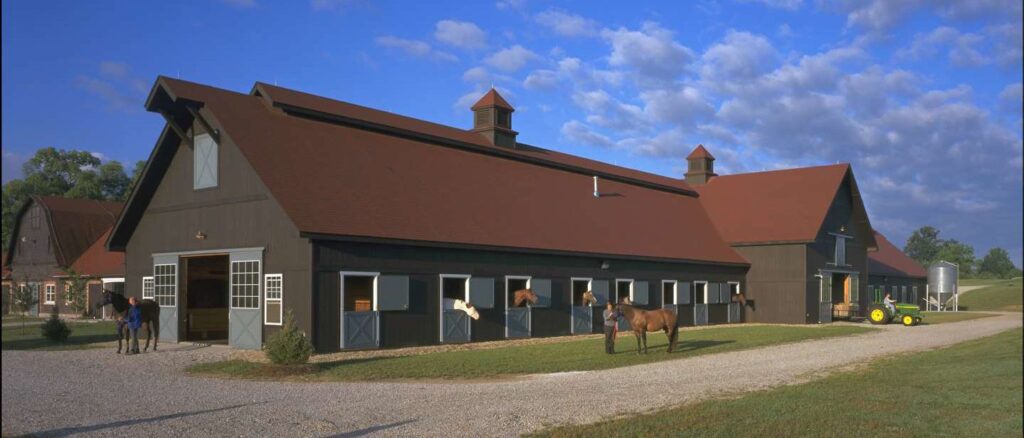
x=133, y=320
x=611, y=323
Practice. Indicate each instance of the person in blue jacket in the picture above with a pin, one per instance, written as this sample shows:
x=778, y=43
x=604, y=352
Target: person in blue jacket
x=133, y=319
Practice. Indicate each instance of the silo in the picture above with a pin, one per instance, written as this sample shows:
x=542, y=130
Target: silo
x=942, y=282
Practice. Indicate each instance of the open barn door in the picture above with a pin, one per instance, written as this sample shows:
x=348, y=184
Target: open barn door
x=245, y=317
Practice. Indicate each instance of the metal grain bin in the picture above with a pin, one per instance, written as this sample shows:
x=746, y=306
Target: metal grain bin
x=942, y=279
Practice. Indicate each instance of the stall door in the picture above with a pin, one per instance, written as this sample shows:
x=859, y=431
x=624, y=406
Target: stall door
x=734, y=312
x=518, y=322
x=582, y=319
x=455, y=326
x=360, y=329
x=701, y=295
x=825, y=305
x=245, y=318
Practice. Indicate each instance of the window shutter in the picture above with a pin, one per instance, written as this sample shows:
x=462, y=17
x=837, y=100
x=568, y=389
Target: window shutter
x=481, y=292
x=641, y=293
x=724, y=292
x=600, y=290
x=684, y=293
x=204, y=165
x=541, y=288
x=393, y=292
x=713, y=297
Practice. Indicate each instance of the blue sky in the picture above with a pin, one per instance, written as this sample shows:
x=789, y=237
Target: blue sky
x=923, y=98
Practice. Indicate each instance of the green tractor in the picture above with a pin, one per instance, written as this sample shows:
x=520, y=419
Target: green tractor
x=878, y=313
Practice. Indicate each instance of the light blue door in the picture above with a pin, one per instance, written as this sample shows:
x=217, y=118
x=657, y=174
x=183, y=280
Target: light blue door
x=165, y=293
x=454, y=326
x=582, y=319
x=245, y=316
x=700, y=314
x=734, y=312
x=518, y=322
x=360, y=329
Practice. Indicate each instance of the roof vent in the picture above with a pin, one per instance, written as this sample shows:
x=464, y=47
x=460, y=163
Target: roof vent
x=492, y=118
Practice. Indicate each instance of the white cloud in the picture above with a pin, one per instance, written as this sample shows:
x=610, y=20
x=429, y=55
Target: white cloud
x=510, y=4
x=460, y=34
x=116, y=85
x=511, y=59
x=476, y=75
x=650, y=52
x=579, y=133
x=414, y=48
x=114, y=69
x=681, y=105
x=741, y=56
x=608, y=112
x=1011, y=97
x=785, y=31
x=566, y=24
x=962, y=47
x=789, y=5
x=541, y=80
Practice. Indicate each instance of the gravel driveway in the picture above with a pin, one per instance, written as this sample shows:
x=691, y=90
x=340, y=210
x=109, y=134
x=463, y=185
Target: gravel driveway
x=94, y=392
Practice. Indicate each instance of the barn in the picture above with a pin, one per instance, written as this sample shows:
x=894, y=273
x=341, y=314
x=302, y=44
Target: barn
x=804, y=231
x=893, y=271
x=52, y=235
x=365, y=224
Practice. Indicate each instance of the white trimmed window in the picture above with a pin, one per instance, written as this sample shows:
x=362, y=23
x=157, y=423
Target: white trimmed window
x=668, y=292
x=204, y=160
x=147, y=288
x=67, y=293
x=273, y=286
x=734, y=288
x=165, y=285
x=700, y=292
x=245, y=284
x=50, y=294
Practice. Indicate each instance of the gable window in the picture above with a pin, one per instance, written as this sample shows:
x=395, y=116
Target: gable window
x=273, y=287
x=34, y=217
x=50, y=294
x=204, y=162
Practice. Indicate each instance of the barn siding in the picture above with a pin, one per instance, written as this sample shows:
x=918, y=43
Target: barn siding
x=240, y=212
x=776, y=282
x=821, y=253
x=419, y=325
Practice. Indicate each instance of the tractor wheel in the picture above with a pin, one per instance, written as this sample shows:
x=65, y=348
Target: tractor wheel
x=908, y=320
x=878, y=314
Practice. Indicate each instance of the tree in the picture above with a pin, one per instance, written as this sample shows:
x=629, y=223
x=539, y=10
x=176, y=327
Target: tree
x=136, y=174
x=997, y=264
x=68, y=173
x=923, y=245
x=955, y=252
x=75, y=292
x=24, y=297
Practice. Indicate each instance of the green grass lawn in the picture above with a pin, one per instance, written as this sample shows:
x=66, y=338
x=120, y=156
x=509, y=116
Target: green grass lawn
x=932, y=318
x=83, y=335
x=1003, y=295
x=572, y=355
x=970, y=389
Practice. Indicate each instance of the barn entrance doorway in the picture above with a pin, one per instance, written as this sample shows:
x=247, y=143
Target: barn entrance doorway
x=518, y=318
x=582, y=313
x=206, y=299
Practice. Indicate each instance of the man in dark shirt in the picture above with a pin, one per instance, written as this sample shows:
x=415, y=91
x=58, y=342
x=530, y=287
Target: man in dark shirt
x=611, y=321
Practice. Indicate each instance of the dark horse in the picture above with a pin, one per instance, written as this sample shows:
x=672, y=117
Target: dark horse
x=150, y=318
x=643, y=321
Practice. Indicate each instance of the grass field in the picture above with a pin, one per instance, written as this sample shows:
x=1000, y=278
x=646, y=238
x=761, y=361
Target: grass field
x=970, y=389
x=83, y=335
x=572, y=355
x=932, y=318
x=1002, y=295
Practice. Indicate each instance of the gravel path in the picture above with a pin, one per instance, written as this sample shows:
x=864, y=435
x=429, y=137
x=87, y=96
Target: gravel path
x=74, y=392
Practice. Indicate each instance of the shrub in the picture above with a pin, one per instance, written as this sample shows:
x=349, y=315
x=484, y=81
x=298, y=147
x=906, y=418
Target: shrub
x=55, y=329
x=290, y=346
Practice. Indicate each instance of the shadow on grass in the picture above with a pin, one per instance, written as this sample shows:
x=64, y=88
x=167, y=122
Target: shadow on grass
x=681, y=346
x=40, y=343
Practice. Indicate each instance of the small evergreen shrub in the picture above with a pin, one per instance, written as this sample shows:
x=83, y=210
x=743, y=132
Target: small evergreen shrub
x=55, y=329
x=290, y=346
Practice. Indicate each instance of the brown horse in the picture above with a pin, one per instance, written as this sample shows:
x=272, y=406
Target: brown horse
x=524, y=295
x=588, y=299
x=643, y=321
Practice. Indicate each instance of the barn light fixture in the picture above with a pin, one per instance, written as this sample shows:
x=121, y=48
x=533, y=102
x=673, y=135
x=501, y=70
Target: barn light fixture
x=605, y=264
x=842, y=228
x=200, y=235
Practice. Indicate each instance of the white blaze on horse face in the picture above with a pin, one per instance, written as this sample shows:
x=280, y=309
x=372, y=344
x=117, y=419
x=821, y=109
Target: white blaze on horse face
x=468, y=308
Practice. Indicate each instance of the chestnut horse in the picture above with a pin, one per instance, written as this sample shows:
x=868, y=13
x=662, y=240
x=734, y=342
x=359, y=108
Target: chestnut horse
x=643, y=321
x=524, y=295
x=588, y=299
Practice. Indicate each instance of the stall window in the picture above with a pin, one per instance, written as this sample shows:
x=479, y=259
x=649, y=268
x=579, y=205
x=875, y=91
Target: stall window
x=668, y=291
x=700, y=292
x=147, y=288
x=49, y=294
x=273, y=286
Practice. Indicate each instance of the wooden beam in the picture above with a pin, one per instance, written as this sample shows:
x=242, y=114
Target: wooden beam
x=209, y=129
x=174, y=127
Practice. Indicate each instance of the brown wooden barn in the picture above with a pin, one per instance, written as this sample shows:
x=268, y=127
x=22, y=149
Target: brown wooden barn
x=804, y=231
x=366, y=224
x=893, y=271
x=53, y=234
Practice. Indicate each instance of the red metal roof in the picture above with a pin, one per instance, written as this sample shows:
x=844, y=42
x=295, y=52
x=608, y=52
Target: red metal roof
x=339, y=179
x=492, y=98
x=777, y=206
x=700, y=152
x=890, y=260
x=98, y=262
